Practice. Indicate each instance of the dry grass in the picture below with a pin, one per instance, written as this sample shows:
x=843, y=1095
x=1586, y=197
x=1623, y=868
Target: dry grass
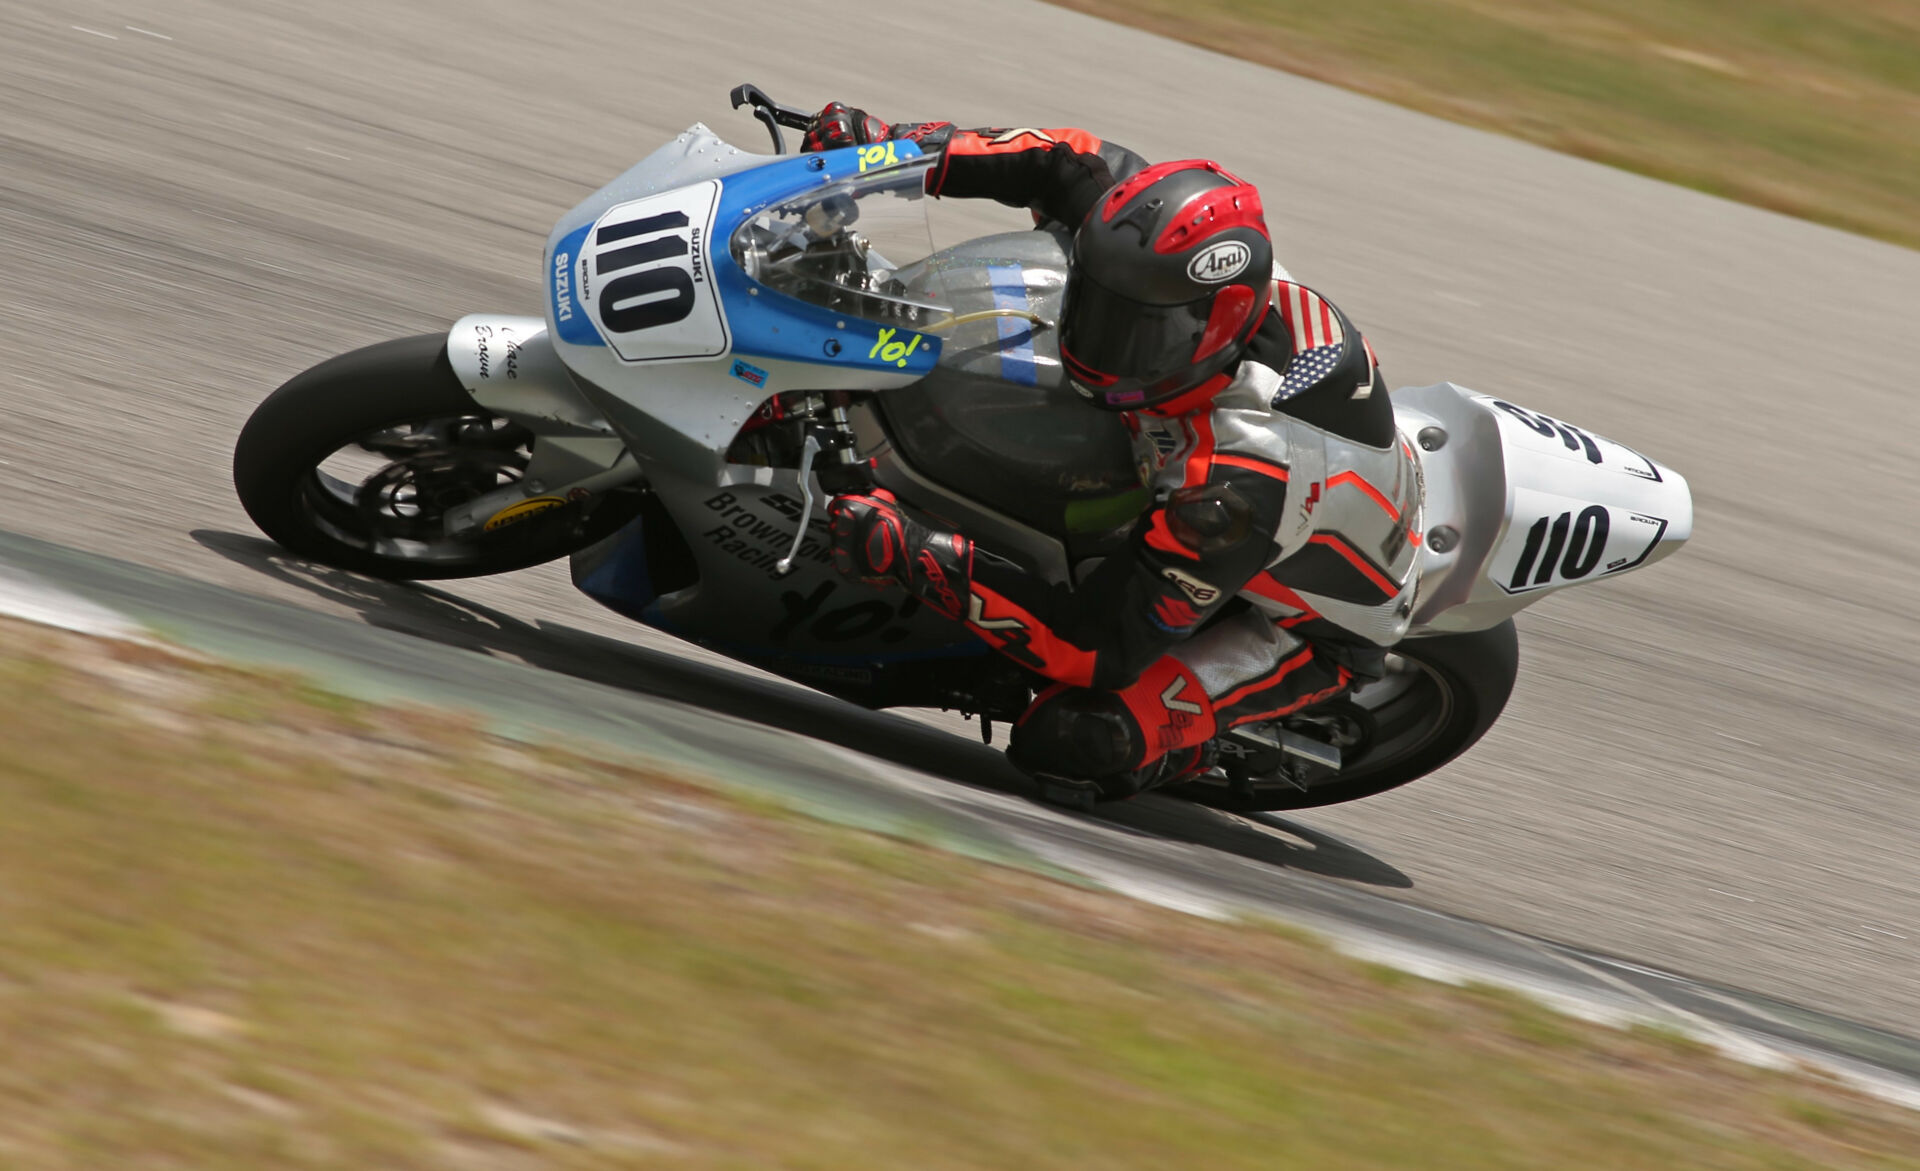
x=243, y=925
x=1810, y=107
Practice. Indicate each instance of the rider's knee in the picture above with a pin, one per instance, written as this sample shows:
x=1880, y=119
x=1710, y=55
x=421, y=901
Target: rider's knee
x=1077, y=733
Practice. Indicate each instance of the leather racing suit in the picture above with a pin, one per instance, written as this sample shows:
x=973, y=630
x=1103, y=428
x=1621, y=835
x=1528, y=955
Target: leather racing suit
x=1277, y=558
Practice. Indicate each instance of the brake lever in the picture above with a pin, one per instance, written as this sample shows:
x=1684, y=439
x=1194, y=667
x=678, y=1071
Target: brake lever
x=810, y=449
x=771, y=114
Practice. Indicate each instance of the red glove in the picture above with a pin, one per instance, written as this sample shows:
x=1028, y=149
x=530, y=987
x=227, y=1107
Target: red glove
x=880, y=543
x=841, y=125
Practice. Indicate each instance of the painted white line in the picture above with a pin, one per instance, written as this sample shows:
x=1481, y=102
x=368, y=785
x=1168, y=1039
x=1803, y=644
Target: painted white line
x=1872, y=1081
x=1430, y=964
x=149, y=33
x=330, y=154
x=1751, y=1010
x=1634, y=1004
x=1138, y=885
x=1413, y=961
x=93, y=32
x=25, y=596
x=1731, y=1042
x=1637, y=969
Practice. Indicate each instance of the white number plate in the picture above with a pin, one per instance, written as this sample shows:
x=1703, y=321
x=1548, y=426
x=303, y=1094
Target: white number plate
x=1555, y=540
x=644, y=278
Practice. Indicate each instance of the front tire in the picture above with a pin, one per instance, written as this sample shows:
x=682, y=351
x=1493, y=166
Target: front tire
x=355, y=463
x=1442, y=694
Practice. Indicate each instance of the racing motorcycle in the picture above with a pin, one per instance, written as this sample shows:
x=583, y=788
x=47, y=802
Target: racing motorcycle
x=730, y=337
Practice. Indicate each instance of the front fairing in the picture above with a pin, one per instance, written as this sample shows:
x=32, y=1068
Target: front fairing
x=653, y=314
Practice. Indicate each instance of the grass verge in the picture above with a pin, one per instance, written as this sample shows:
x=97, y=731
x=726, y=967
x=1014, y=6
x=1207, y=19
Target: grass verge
x=245, y=925
x=1808, y=107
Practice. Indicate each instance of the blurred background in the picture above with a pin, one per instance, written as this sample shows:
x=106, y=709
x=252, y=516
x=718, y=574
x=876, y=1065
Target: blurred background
x=1707, y=766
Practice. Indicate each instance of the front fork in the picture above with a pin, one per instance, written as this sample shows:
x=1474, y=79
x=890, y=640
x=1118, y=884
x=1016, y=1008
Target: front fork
x=509, y=366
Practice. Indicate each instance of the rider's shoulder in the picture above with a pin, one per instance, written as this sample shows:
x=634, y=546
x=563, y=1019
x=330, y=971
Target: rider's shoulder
x=1253, y=386
x=1272, y=345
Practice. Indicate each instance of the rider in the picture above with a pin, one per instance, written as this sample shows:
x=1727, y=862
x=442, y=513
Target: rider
x=1276, y=561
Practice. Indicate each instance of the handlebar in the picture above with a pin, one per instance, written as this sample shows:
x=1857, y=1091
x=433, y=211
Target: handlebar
x=772, y=114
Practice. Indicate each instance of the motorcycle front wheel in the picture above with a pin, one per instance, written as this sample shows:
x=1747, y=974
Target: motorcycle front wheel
x=1440, y=695
x=356, y=462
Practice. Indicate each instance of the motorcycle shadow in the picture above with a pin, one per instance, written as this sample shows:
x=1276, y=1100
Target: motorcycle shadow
x=1258, y=837
x=423, y=611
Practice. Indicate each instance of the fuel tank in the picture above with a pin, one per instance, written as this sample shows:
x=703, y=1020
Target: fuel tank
x=994, y=439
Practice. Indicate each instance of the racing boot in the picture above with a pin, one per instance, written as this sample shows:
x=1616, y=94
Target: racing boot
x=1085, y=746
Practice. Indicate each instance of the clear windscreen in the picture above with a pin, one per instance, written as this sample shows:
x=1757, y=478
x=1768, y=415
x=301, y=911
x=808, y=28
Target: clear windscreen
x=844, y=245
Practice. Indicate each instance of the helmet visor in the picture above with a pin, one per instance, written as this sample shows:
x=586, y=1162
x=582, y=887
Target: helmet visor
x=1129, y=344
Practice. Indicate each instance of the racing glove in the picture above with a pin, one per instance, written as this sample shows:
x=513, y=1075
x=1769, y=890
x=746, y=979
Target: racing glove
x=838, y=125
x=877, y=541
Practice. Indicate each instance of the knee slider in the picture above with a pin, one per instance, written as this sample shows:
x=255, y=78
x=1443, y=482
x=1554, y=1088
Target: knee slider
x=1077, y=733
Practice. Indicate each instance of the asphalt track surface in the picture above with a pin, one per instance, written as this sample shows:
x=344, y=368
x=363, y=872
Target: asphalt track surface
x=1706, y=766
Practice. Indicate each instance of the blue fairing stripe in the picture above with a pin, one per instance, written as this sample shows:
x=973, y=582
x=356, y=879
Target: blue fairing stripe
x=1016, y=335
x=569, y=315
x=770, y=324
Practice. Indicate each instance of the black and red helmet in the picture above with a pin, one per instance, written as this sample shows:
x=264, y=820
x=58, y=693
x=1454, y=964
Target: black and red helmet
x=1172, y=272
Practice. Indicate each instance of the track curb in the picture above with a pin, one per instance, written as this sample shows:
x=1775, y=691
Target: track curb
x=56, y=586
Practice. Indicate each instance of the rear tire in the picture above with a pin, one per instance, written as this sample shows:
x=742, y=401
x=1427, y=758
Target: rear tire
x=398, y=401
x=1448, y=690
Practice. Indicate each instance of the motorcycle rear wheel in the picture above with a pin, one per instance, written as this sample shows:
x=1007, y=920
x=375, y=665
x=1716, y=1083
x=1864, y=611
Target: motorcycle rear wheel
x=355, y=462
x=1442, y=695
